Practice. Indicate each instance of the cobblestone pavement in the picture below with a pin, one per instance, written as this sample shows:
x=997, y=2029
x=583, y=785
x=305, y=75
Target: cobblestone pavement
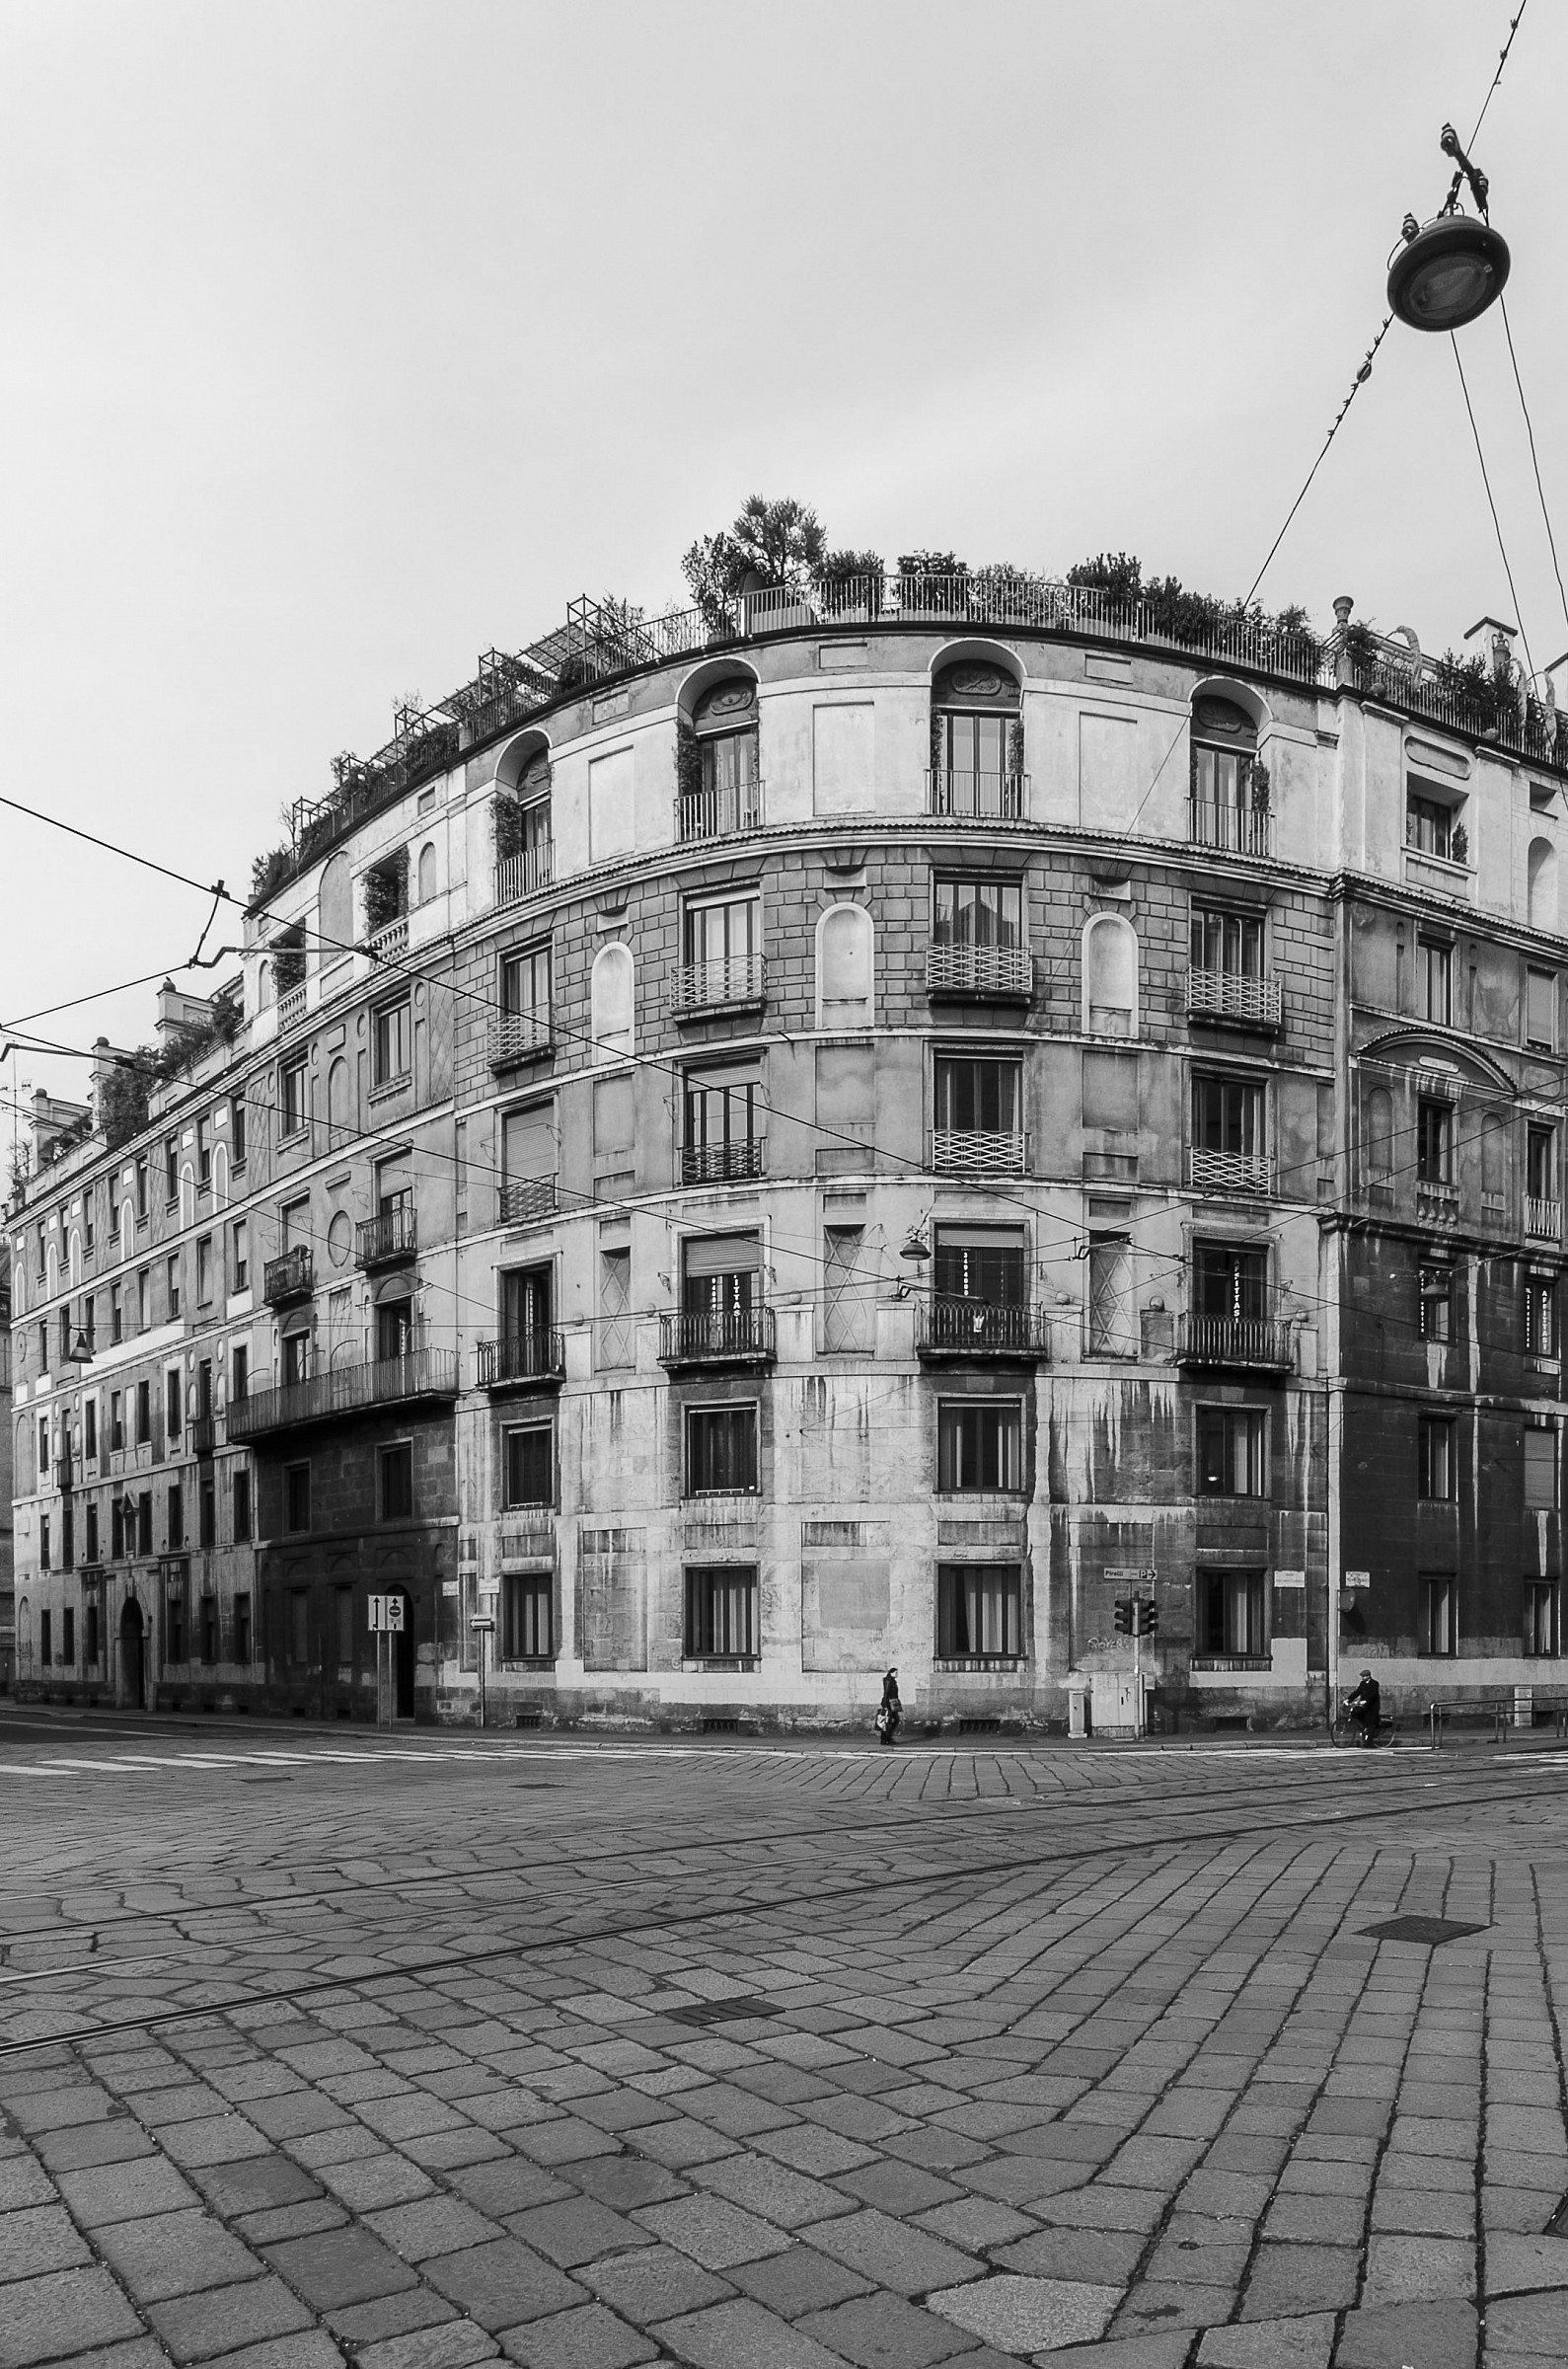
x=318, y=2049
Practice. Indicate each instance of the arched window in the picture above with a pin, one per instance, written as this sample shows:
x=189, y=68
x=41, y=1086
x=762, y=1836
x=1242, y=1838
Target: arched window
x=264, y=986
x=1378, y=1144
x=1110, y=977
x=520, y=811
x=845, y=967
x=976, y=740
x=1227, y=799
x=720, y=790
x=612, y=999
x=427, y=872
x=1542, y=884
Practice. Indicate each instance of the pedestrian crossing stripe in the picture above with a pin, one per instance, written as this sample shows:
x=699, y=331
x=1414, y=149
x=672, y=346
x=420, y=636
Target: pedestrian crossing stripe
x=494, y=1755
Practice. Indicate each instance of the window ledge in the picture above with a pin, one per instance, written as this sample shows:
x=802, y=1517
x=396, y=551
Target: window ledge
x=983, y=1664
x=526, y=1661
x=695, y=1664
x=1231, y=1661
x=392, y=1086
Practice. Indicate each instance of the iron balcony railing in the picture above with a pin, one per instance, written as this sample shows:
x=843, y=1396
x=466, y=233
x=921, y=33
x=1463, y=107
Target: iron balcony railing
x=539, y=1355
x=524, y=873
x=1239, y=830
x=979, y=1152
x=735, y=1337
x=1229, y=1172
x=520, y=1036
x=345, y=1389
x=719, y=813
x=289, y=1276
x=1543, y=1219
x=960, y=1328
x=982, y=970
x=1227, y=995
x=386, y=1240
x=723, y=1163
x=390, y=941
x=710, y=987
x=1262, y=1344
x=526, y=1199
x=998, y=796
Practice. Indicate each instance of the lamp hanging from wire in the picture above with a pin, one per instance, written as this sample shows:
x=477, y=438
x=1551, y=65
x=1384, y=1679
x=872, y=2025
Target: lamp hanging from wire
x=1450, y=269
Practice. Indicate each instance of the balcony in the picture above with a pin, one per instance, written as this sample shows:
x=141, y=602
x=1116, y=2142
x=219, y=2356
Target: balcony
x=1440, y=876
x=203, y=1434
x=978, y=1152
x=956, y=1328
x=387, y=1240
x=1543, y=1219
x=290, y=1009
x=1243, y=1344
x=741, y=1337
x=723, y=1163
x=986, y=797
x=1238, y=830
x=1003, y=973
x=524, y=873
x=521, y=1359
x=289, y=1276
x=389, y=943
x=718, y=813
x=1230, y=1171
x=517, y=1037
x=1438, y=1204
x=1230, y=999
x=703, y=987
x=526, y=1199
x=346, y=1390
x=63, y=1480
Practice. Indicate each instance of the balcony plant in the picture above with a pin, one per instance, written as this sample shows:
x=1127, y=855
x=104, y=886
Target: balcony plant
x=387, y=892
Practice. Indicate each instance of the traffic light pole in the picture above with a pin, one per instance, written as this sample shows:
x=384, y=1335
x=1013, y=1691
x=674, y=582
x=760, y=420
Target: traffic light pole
x=1138, y=1669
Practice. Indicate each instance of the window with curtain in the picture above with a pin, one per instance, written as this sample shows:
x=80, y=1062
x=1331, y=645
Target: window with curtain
x=979, y=1612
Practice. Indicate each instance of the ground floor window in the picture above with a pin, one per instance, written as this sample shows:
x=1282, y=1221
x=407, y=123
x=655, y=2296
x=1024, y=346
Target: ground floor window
x=1230, y=1614
x=721, y=1451
x=721, y=1612
x=1230, y=1452
x=526, y=1626
x=1439, y=1613
x=242, y=1627
x=529, y=1465
x=210, y=1629
x=1542, y=1632
x=979, y=1611
x=397, y=1481
x=299, y=1626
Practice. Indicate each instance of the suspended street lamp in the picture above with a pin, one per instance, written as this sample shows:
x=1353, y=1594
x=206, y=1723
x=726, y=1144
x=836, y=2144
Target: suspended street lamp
x=1452, y=269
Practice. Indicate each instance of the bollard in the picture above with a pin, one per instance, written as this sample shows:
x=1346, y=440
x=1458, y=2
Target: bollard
x=1435, y=1720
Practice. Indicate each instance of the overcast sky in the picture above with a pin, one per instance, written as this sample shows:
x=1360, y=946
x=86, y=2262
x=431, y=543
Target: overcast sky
x=344, y=339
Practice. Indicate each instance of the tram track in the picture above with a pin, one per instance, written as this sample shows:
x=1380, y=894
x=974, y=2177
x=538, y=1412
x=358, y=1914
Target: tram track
x=650, y=1919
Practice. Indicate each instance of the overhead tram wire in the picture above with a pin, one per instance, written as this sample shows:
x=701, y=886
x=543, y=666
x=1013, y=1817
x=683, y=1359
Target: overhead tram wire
x=1535, y=461
x=1502, y=61
x=1355, y=385
x=1491, y=504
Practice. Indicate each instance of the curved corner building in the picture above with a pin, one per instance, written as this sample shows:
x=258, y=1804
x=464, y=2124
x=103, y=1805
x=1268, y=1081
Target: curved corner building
x=863, y=1135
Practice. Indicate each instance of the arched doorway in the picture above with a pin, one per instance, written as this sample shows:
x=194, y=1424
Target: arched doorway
x=402, y=1662
x=132, y=1639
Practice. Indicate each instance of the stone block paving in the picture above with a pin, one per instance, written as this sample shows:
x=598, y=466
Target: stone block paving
x=1121, y=2081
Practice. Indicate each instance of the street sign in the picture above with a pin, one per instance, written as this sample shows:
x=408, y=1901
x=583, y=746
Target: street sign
x=387, y=1613
x=1130, y=1574
x=481, y=1622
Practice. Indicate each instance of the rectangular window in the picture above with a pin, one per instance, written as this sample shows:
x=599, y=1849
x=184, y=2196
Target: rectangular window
x=296, y=1497
x=343, y=1610
x=1434, y=1142
x=1439, y=1610
x=982, y=1262
x=1539, y=1163
x=299, y=1627
x=1111, y=1326
x=242, y=1504
x=172, y=1398
x=143, y=1413
x=1541, y=1011
x=1542, y=1629
x=1228, y=1115
x=203, y=1153
x=1541, y=1315
x=1541, y=1467
x=241, y=1240
x=204, y=1271
x=979, y=1445
x=721, y=936
x=67, y=1537
x=977, y=913
x=91, y=1549
x=1434, y=981
x=397, y=1481
x=720, y=1281
x=116, y=1419
x=176, y=1518
x=1230, y=1614
x=529, y=1160
x=848, y=1306
x=394, y=1042
x=1436, y=1467
x=529, y=1465
x=721, y=1451
x=117, y=1314
x=1230, y=941
x=293, y=1092
x=1437, y=1303
x=394, y=1330
x=46, y=1634
x=240, y=1372
x=141, y=1185
x=90, y=1430
x=526, y=1626
x=242, y=1627
x=1230, y=1452
x=237, y=1131
x=725, y=1122
x=1427, y=826
x=89, y=1228
x=46, y=1549
x=209, y=1630
x=68, y=1635
x=615, y=1342
x=91, y=1650
x=172, y=1169
x=116, y=1529
x=206, y=1509
x=978, y=1097
x=144, y=1521
x=1230, y=1281
x=525, y=985
x=144, y=1298
x=175, y=1621
x=296, y=1358
x=721, y=1612
x=44, y=1451
x=979, y=1611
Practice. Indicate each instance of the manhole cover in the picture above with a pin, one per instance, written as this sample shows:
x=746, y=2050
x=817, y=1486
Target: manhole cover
x=722, y=2011
x=1429, y=1929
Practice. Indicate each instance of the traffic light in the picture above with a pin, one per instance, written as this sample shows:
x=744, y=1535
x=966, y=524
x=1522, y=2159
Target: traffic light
x=1145, y=1616
x=1124, y=1616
